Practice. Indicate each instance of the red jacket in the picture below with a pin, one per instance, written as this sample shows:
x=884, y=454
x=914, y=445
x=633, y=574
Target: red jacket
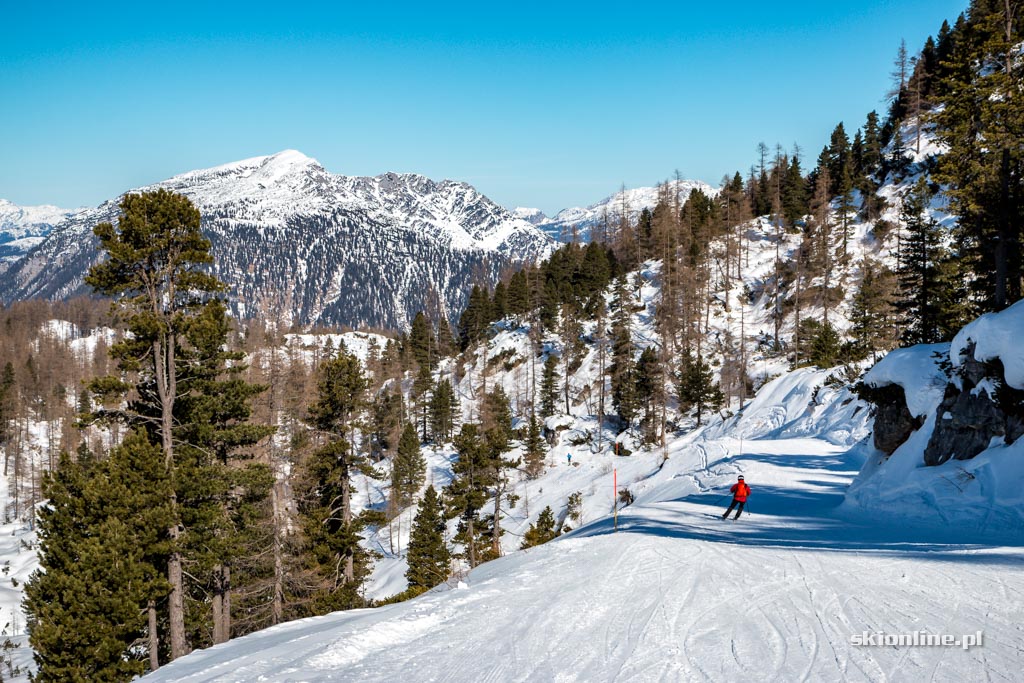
x=740, y=491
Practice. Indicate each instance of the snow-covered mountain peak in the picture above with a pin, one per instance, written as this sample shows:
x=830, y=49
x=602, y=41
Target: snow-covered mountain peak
x=23, y=227
x=530, y=214
x=296, y=240
x=580, y=221
x=282, y=163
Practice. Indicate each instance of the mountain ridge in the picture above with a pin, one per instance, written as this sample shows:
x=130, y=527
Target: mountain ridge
x=295, y=241
x=629, y=203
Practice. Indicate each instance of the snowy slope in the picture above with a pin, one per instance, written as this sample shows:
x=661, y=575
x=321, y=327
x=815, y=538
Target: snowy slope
x=299, y=244
x=679, y=594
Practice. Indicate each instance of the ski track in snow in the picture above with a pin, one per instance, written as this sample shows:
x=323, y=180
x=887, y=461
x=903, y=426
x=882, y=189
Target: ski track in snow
x=678, y=595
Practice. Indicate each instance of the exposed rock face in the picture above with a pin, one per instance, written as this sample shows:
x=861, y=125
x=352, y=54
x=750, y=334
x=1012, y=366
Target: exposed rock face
x=966, y=424
x=976, y=408
x=983, y=408
x=893, y=422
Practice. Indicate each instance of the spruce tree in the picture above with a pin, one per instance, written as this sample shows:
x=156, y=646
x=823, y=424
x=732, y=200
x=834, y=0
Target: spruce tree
x=923, y=289
x=549, y=386
x=696, y=387
x=541, y=531
x=103, y=545
x=982, y=124
x=428, y=556
x=332, y=531
x=408, y=469
x=534, y=447
x=873, y=315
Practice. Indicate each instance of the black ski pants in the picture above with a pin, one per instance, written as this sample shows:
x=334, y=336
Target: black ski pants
x=732, y=505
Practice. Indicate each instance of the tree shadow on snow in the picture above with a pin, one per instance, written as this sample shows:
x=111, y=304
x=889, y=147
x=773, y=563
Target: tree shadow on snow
x=805, y=518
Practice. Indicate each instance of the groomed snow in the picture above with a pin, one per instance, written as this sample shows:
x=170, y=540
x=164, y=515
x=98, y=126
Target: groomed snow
x=678, y=594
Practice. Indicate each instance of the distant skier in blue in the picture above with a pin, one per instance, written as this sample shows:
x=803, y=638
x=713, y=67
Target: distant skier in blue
x=568, y=458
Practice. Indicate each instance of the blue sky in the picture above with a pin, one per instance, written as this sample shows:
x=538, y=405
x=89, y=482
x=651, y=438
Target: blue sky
x=536, y=104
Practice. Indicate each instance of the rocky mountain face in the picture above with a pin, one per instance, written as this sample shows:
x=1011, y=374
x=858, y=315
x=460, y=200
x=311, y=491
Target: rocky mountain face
x=296, y=243
x=24, y=227
x=580, y=222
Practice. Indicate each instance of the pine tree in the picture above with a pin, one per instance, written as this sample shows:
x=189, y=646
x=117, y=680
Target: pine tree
x=428, y=556
x=154, y=264
x=549, y=386
x=387, y=424
x=220, y=490
x=825, y=347
x=332, y=531
x=421, y=392
x=103, y=543
x=475, y=318
x=572, y=350
x=648, y=389
x=794, y=193
x=541, y=531
x=623, y=367
x=533, y=445
x=422, y=342
x=923, y=291
x=499, y=302
x=518, y=294
x=443, y=411
x=408, y=469
x=7, y=402
x=696, y=387
x=466, y=494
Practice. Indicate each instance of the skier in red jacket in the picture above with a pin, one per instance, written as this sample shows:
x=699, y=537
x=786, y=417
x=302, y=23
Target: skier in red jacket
x=740, y=491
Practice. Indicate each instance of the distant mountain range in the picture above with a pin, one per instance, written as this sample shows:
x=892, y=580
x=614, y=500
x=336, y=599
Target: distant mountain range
x=298, y=244
x=24, y=227
x=581, y=221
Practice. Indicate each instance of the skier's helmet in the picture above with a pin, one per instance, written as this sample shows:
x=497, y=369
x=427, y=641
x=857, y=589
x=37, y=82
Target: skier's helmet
x=741, y=477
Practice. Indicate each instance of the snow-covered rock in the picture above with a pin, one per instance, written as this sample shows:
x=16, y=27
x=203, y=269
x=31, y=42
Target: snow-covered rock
x=994, y=336
x=961, y=461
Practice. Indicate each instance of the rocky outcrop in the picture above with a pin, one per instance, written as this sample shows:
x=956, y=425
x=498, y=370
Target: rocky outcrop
x=977, y=406
x=970, y=416
x=893, y=422
x=967, y=422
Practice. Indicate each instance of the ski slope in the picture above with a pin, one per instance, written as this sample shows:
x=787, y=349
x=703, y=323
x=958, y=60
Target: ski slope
x=677, y=594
